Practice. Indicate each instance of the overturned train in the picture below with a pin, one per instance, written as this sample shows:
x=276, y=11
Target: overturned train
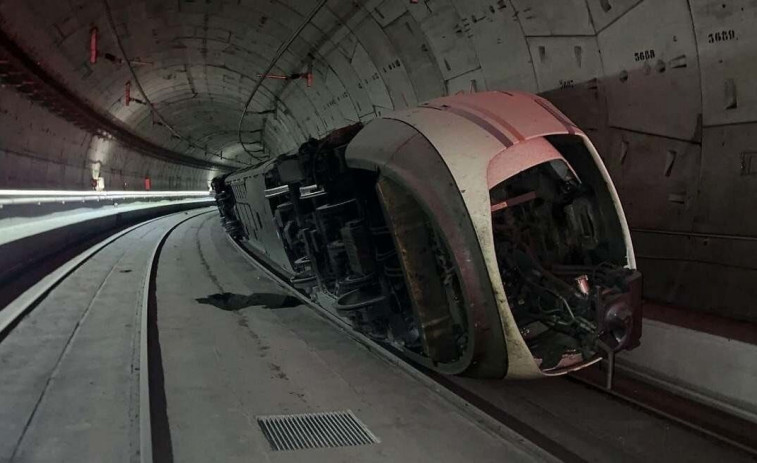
x=478, y=234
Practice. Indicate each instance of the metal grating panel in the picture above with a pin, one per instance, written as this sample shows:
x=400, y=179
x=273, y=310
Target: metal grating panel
x=315, y=430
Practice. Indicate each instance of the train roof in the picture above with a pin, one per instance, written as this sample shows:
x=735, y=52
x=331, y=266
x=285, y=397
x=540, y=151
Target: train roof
x=507, y=117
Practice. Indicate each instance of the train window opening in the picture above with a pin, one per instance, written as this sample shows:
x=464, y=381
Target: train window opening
x=555, y=260
x=576, y=154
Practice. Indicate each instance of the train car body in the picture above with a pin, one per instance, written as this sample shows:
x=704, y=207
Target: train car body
x=479, y=234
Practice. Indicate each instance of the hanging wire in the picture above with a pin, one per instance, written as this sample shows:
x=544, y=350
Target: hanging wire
x=279, y=53
x=149, y=103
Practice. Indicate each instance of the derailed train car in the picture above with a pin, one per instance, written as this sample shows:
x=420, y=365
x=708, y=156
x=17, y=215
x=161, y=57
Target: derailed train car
x=479, y=234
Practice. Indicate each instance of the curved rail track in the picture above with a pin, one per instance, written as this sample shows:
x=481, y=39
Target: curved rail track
x=151, y=416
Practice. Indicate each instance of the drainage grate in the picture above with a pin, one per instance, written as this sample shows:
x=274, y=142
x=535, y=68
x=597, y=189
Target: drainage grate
x=315, y=430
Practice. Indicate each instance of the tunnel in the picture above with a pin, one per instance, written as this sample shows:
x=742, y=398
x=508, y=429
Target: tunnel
x=158, y=97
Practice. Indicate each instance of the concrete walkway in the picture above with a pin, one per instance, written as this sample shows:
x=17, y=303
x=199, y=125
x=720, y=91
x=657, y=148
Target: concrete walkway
x=225, y=365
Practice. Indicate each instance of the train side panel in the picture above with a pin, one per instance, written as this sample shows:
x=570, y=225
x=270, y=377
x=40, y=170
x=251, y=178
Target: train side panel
x=254, y=211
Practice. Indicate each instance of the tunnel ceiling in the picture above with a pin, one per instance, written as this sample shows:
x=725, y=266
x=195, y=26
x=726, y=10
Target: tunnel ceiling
x=198, y=61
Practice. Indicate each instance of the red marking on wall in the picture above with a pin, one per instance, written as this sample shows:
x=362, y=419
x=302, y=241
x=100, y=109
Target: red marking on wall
x=148, y=184
x=93, y=46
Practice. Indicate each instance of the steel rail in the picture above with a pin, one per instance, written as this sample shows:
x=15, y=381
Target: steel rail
x=637, y=376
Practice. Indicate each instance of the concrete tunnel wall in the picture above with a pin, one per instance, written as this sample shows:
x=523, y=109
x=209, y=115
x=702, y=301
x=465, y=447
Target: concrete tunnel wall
x=665, y=89
x=42, y=151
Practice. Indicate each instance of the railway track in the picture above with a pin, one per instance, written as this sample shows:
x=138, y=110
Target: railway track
x=151, y=401
x=483, y=403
